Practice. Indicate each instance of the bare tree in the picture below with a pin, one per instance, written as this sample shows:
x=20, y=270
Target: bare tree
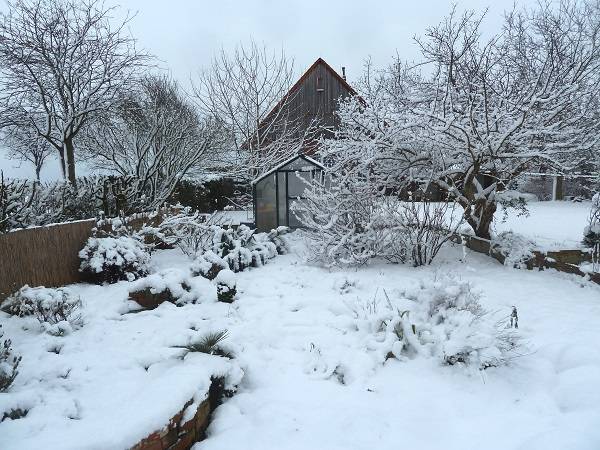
x=248, y=92
x=483, y=113
x=156, y=138
x=493, y=108
x=26, y=146
x=62, y=62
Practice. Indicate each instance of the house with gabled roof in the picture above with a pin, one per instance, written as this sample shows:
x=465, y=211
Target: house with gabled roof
x=314, y=98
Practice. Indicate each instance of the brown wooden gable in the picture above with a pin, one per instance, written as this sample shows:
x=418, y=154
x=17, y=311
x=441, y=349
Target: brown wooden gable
x=315, y=95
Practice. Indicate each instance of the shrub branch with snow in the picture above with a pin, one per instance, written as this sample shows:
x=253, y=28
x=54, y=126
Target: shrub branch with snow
x=56, y=309
x=9, y=363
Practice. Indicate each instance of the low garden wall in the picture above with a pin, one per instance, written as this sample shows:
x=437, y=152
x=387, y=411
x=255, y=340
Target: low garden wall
x=567, y=261
x=187, y=426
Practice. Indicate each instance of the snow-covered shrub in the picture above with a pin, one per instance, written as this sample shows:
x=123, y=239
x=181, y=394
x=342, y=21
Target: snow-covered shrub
x=171, y=285
x=226, y=286
x=454, y=325
x=189, y=230
x=441, y=318
x=591, y=233
x=195, y=234
x=9, y=363
x=516, y=249
x=208, y=265
x=56, y=309
x=514, y=198
x=241, y=248
x=351, y=222
x=28, y=203
x=215, y=247
x=338, y=221
x=276, y=237
x=110, y=259
x=15, y=201
x=417, y=229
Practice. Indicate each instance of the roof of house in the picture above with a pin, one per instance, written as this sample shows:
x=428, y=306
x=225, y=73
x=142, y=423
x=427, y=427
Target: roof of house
x=297, y=84
x=286, y=162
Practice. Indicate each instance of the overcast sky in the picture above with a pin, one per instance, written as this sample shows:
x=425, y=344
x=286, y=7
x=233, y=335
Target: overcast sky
x=184, y=34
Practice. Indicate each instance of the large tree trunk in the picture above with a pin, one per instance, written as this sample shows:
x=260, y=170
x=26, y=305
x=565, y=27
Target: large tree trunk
x=482, y=218
x=70, y=151
x=63, y=165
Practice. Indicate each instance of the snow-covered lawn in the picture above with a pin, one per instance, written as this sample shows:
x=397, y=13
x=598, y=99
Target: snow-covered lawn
x=310, y=381
x=557, y=224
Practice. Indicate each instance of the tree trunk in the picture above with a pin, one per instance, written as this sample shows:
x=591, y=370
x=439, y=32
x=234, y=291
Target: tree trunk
x=70, y=150
x=484, y=215
x=63, y=166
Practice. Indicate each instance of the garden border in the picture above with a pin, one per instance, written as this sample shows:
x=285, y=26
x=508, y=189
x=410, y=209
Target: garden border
x=566, y=261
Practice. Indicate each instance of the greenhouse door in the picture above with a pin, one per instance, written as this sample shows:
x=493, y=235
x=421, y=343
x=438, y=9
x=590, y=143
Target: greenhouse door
x=290, y=187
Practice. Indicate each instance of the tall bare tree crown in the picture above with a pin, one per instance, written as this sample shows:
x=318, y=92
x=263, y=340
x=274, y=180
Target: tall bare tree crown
x=62, y=62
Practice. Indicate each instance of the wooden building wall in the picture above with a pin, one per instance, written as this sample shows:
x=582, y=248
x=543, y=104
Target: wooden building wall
x=314, y=97
x=318, y=97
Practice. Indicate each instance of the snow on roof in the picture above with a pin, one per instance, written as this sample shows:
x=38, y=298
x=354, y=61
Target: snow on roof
x=286, y=162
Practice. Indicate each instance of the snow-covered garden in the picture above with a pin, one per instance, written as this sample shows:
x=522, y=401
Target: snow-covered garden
x=321, y=359
x=261, y=263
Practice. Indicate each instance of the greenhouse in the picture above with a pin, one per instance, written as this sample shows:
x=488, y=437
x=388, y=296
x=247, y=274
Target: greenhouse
x=274, y=192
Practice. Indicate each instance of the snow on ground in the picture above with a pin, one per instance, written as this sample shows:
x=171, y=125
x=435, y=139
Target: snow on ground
x=289, y=331
x=546, y=400
x=115, y=380
x=556, y=224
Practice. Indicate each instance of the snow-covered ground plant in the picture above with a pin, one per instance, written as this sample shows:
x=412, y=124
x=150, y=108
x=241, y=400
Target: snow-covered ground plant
x=110, y=259
x=242, y=248
x=9, y=363
x=237, y=250
x=226, y=286
x=441, y=318
x=176, y=286
x=516, y=248
x=211, y=344
x=276, y=236
x=196, y=234
x=57, y=310
x=208, y=265
x=591, y=233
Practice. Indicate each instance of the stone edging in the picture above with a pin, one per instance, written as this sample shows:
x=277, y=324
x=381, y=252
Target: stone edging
x=562, y=260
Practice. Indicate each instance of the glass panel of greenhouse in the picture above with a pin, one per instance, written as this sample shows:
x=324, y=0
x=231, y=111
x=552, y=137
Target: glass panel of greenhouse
x=275, y=191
